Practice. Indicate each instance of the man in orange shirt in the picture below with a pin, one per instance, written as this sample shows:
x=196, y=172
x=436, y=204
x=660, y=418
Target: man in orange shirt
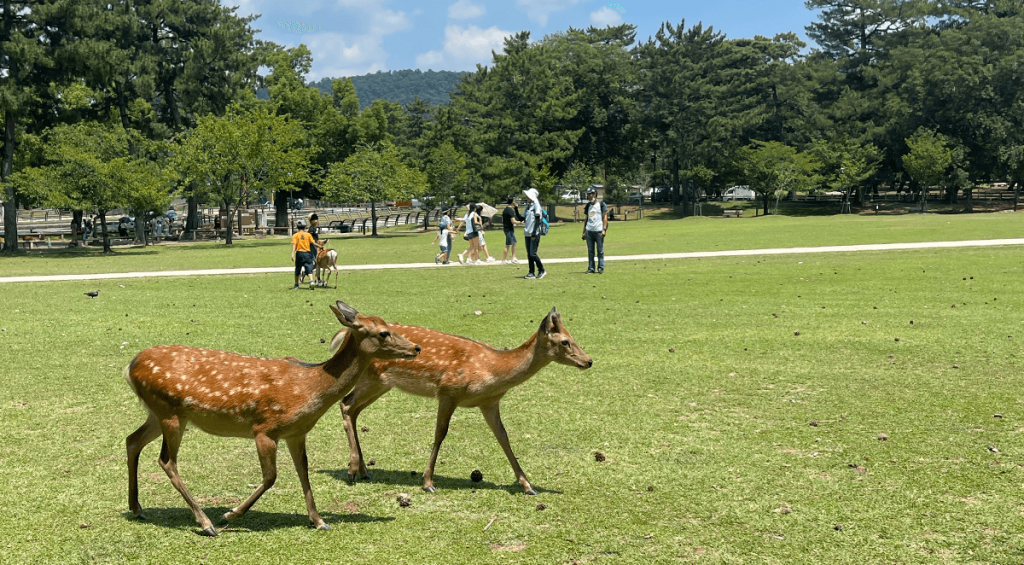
x=302, y=254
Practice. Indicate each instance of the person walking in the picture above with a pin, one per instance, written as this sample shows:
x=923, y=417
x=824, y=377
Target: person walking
x=509, y=216
x=443, y=236
x=482, y=243
x=531, y=230
x=472, y=254
x=594, y=230
x=302, y=255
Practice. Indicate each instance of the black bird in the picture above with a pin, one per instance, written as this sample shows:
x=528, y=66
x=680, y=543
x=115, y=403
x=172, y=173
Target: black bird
x=93, y=294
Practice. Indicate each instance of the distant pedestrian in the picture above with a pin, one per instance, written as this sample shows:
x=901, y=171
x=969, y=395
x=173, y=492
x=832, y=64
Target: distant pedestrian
x=86, y=229
x=509, y=216
x=532, y=218
x=594, y=230
x=472, y=223
x=302, y=254
x=483, y=243
x=442, y=236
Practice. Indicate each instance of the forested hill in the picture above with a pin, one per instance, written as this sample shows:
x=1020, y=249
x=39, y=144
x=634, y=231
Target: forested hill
x=401, y=86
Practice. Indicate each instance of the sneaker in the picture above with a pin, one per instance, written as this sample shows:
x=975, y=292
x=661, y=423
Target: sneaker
x=514, y=261
x=589, y=272
x=504, y=262
x=542, y=274
x=461, y=259
x=600, y=271
x=490, y=259
x=437, y=259
x=447, y=263
x=530, y=276
x=296, y=287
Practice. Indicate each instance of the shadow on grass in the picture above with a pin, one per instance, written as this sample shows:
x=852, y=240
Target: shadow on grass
x=78, y=252
x=441, y=482
x=252, y=521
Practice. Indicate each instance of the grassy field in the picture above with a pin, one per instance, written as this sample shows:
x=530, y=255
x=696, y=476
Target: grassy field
x=728, y=437
x=652, y=235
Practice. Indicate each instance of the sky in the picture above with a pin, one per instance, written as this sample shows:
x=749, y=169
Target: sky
x=356, y=37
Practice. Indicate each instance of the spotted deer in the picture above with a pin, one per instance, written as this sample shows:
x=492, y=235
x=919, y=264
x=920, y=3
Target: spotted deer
x=327, y=261
x=232, y=395
x=459, y=372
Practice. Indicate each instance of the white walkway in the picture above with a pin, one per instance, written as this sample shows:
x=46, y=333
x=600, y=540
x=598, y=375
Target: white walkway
x=582, y=259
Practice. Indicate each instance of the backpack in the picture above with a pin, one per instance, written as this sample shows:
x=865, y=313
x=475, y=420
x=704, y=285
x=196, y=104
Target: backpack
x=543, y=224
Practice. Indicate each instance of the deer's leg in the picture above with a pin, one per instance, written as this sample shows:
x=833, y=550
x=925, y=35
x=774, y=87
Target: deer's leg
x=367, y=391
x=493, y=416
x=266, y=448
x=445, y=408
x=173, y=428
x=297, y=448
x=134, y=443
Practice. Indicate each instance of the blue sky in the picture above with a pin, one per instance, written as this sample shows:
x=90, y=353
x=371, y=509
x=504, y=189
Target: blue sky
x=355, y=37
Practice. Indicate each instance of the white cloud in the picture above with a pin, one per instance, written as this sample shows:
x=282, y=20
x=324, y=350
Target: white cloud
x=539, y=10
x=605, y=17
x=465, y=10
x=338, y=55
x=464, y=47
x=429, y=60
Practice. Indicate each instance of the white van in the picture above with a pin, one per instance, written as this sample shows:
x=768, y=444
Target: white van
x=741, y=192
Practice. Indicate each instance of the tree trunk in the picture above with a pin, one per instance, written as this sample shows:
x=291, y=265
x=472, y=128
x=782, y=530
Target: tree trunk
x=675, y=182
x=225, y=212
x=281, y=210
x=106, y=236
x=76, y=227
x=1016, y=194
x=969, y=195
x=192, y=219
x=373, y=217
x=426, y=219
x=9, y=195
x=764, y=200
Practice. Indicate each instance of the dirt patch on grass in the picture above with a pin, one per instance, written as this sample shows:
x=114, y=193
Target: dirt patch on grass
x=519, y=546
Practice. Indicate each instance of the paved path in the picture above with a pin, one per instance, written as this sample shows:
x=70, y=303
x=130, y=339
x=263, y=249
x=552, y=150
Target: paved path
x=609, y=258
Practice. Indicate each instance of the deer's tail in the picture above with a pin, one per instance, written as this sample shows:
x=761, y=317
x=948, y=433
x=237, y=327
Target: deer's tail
x=128, y=377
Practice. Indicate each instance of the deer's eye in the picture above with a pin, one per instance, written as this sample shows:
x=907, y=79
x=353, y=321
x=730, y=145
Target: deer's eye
x=385, y=335
x=565, y=342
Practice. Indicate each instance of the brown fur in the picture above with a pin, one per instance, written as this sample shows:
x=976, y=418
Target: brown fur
x=327, y=260
x=233, y=395
x=459, y=372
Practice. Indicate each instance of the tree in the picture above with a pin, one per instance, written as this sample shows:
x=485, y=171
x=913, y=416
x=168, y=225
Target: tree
x=844, y=165
x=88, y=166
x=242, y=153
x=772, y=169
x=446, y=170
x=578, y=179
x=929, y=158
x=374, y=173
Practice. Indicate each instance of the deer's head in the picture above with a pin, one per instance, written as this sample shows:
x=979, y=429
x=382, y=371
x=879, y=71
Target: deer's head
x=559, y=345
x=374, y=335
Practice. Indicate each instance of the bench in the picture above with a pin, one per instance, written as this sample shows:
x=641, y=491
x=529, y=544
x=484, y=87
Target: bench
x=732, y=213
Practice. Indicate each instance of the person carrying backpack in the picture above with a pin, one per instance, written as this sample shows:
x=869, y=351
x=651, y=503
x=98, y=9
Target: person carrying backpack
x=594, y=230
x=534, y=227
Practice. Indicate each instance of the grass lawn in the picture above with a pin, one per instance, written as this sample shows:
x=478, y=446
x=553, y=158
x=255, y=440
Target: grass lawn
x=651, y=235
x=728, y=437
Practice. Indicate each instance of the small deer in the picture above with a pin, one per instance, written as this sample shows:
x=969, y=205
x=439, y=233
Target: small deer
x=459, y=372
x=327, y=260
x=232, y=395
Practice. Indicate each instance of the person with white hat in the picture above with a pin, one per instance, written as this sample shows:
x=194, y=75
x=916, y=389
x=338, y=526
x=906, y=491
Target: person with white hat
x=531, y=230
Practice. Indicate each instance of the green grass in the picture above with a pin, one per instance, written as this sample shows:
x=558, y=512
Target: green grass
x=720, y=428
x=651, y=235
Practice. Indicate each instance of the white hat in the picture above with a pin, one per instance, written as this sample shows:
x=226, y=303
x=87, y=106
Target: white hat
x=531, y=193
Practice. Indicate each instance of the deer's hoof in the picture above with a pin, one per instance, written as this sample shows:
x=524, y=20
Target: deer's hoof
x=324, y=526
x=209, y=532
x=429, y=489
x=141, y=517
x=367, y=477
x=531, y=492
x=351, y=477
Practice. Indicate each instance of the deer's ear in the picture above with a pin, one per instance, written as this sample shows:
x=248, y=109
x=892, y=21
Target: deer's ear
x=546, y=325
x=345, y=314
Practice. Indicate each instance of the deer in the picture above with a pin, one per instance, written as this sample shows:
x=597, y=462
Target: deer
x=327, y=260
x=459, y=373
x=233, y=395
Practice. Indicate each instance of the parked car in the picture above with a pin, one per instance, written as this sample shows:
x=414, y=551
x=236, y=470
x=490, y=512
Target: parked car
x=171, y=215
x=572, y=197
x=634, y=198
x=740, y=192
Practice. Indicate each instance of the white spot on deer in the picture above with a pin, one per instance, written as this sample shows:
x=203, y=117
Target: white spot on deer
x=155, y=369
